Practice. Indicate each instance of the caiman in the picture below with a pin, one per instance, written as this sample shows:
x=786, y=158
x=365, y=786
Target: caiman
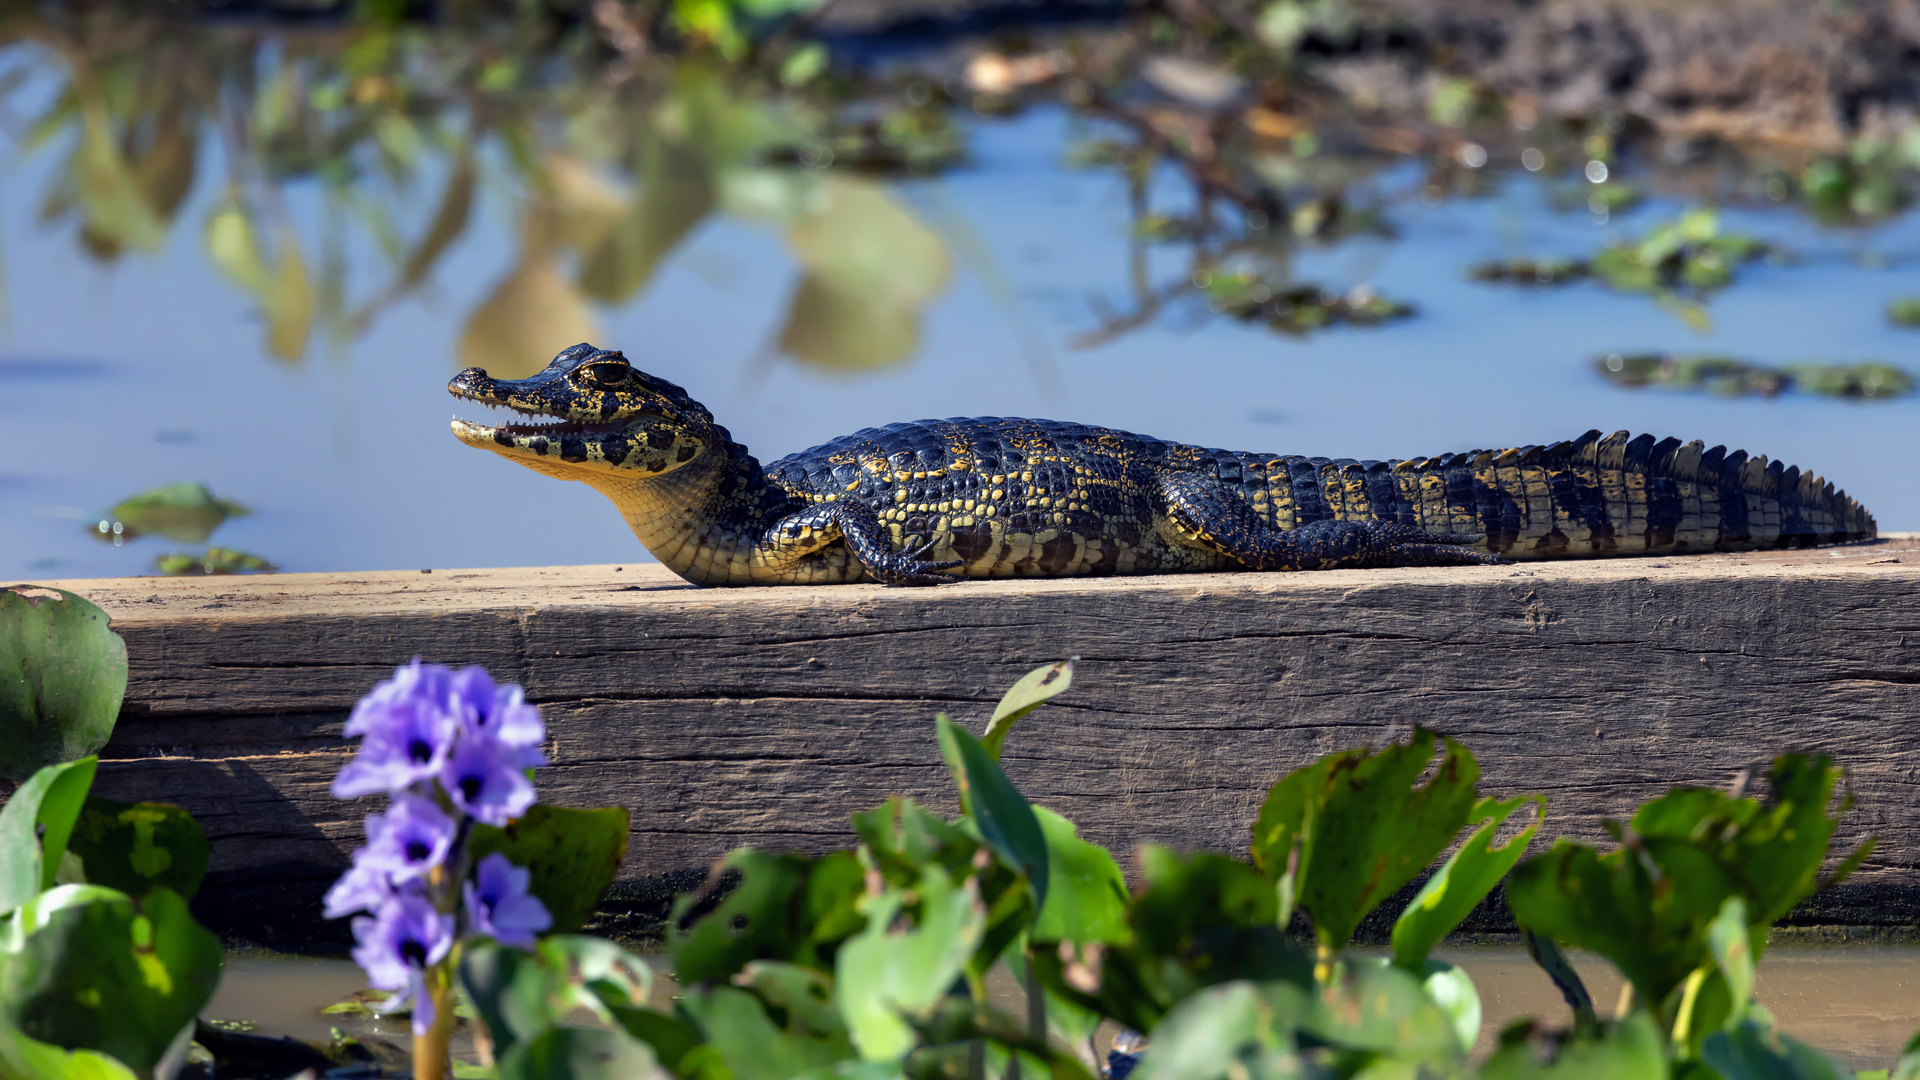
x=936, y=501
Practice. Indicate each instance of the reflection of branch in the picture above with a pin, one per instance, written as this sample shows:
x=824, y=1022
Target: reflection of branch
x=1201, y=160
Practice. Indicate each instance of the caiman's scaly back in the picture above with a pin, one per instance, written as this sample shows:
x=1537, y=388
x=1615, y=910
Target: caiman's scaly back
x=937, y=500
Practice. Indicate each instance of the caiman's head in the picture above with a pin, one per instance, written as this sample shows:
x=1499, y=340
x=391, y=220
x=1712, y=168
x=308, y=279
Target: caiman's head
x=589, y=416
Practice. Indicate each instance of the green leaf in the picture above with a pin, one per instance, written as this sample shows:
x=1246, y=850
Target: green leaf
x=185, y=512
x=886, y=970
x=1086, y=893
x=753, y=922
x=1463, y=880
x=233, y=244
x=1362, y=828
x=1628, y=1049
x=1731, y=940
x=1646, y=910
x=671, y=1038
x=565, y=1053
x=1751, y=1051
x=572, y=856
x=1035, y=688
x=34, y=827
x=754, y=1048
x=114, y=976
x=1230, y=1030
x=136, y=847
x=903, y=838
x=1005, y=819
x=511, y=990
x=1453, y=991
x=805, y=995
x=63, y=674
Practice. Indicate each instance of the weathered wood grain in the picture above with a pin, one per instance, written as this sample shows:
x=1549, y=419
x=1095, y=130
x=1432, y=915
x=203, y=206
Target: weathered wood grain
x=766, y=716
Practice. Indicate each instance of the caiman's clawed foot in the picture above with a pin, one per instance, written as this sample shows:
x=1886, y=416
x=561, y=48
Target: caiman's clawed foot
x=1341, y=545
x=909, y=567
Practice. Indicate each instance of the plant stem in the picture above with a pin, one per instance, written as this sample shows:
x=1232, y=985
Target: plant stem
x=430, y=1057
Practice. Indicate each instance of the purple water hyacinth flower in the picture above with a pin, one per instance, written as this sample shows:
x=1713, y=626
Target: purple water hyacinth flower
x=397, y=943
x=411, y=838
x=362, y=888
x=407, y=740
x=483, y=777
x=500, y=712
x=499, y=906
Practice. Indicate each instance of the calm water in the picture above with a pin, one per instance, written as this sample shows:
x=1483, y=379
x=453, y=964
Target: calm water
x=1857, y=1003
x=116, y=380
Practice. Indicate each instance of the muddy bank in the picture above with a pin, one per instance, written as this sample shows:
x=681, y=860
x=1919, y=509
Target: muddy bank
x=1806, y=74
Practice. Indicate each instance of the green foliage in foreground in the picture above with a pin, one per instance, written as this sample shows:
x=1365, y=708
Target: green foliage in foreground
x=873, y=962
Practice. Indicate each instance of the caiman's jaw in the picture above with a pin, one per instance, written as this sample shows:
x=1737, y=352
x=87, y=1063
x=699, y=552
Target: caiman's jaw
x=588, y=415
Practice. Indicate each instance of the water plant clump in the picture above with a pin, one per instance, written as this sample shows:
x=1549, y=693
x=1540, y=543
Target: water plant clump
x=1690, y=253
x=1728, y=376
x=1904, y=311
x=1298, y=308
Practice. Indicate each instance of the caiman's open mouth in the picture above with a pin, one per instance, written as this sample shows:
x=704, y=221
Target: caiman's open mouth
x=539, y=424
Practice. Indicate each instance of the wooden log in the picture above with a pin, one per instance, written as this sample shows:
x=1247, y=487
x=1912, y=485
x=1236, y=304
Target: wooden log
x=766, y=716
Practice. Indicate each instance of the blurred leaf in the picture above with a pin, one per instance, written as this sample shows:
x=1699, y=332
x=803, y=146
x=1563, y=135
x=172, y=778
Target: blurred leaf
x=449, y=221
x=1086, y=893
x=1628, y=1049
x=63, y=674
x=754, y=922
x=830, y=328
x=587, y=206
x=1363, y=829
x=185, y=512
x=902, y=837
x=1453, y=991
x=1370, y=1004
x=676, y=194
x=1463, y=880
x=885, y=970
x=116, y=210
x=754, y=1048
x=1035, y=688
x=1751, y=1051
x=1904, y=311
x=805, y=995
x=869, y=267
x=233, y=244
x=34, y=826
x=514, y=993
x=1231, y=1030
x=572, y=856
x=1731, y=941
x=137, y=847
x=288, y=302
x=531, y=315
x=1004, y=817
x=567, y=1053
x=113, y=976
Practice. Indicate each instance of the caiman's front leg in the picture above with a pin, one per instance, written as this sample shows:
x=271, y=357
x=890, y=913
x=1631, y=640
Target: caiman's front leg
x=808, y=532
x=1218, y=519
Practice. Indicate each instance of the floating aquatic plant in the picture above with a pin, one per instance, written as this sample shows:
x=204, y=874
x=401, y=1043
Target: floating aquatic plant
x=1730, y=377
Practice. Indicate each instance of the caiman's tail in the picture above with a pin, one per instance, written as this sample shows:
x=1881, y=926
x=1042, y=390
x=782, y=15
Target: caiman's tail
x=1595, y=495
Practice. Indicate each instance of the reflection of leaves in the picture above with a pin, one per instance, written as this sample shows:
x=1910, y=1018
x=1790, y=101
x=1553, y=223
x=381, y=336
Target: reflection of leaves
x=586, y=205
x=185, y=512
x=676, y=193
x=215, y=560
x=285, y=292
x=117, y=211
x=532, y=314
x=869, y=268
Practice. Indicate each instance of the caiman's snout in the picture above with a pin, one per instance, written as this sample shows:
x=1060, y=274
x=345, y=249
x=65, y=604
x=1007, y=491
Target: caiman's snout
x=473, y=383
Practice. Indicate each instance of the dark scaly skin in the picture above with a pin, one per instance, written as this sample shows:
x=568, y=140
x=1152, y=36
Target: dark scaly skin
x=939, y=500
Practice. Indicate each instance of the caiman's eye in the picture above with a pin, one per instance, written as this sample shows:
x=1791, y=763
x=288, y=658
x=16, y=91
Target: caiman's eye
x=605, y=376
